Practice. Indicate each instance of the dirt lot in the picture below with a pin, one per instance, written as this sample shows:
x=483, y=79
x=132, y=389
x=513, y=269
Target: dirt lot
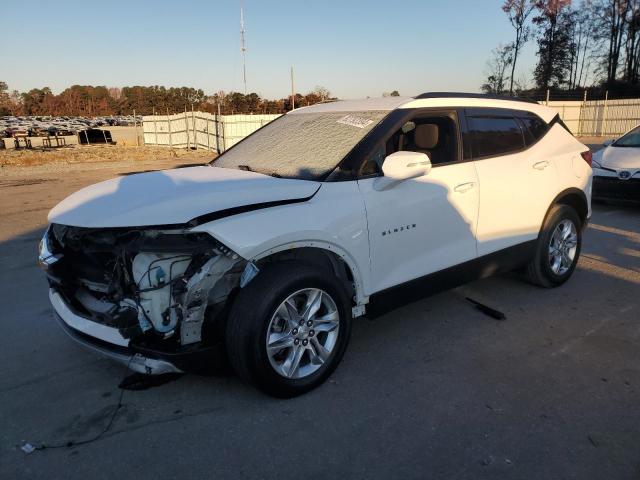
x=123, y=136
x=94, y=156
x=433, y=390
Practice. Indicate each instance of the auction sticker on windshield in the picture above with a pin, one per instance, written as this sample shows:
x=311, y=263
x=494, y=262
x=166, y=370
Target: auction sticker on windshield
x=355, y=121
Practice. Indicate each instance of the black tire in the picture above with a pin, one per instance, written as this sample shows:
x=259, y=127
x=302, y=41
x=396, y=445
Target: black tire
x=249, y=319
x=539, y=271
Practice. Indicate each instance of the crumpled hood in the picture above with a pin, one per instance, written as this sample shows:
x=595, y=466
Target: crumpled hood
x=173, y=197
x=619, y=158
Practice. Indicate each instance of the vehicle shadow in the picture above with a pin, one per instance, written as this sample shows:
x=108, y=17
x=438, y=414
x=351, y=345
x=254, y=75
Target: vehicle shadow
x=439, y=359
x=430, y=364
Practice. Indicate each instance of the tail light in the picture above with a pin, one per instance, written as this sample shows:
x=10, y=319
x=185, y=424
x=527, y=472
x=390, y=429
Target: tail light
x=588, y=157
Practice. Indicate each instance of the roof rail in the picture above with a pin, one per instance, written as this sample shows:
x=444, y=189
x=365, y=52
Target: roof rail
x=473, y=95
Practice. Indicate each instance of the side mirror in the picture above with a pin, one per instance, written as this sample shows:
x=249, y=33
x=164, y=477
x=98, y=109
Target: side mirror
x=608, y=143
x=401, y=166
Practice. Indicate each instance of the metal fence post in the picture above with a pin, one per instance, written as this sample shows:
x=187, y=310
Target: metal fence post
x=603, y=130
x=218, y=149
x=193, y=124
x=224, y=137
x=155, y=127
x=217, y=123
x=135, y=126
x=583, y=112
x=208, y=139
x=169, y=127
x=186, y=126
x=547, y=97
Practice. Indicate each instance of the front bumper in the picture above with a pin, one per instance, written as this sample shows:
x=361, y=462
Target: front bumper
x=614, y=188
x=108, y=341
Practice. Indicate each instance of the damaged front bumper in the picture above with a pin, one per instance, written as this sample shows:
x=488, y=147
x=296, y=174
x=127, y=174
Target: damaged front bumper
x=153, y=300
x=109, y=342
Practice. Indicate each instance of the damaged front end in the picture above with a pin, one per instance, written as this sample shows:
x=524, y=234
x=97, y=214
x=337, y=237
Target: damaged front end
x=162, y=294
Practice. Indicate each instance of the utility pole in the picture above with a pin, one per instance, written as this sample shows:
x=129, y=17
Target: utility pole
x=293, y=92
x=243, y=50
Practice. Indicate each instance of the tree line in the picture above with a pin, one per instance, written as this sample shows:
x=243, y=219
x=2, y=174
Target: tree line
x=586, y=44
x=90, y=101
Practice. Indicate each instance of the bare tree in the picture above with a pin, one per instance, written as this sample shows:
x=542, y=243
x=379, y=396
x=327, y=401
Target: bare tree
x=521, y=84
x=322, y=92
x=613, y=19
x=4, y=99
x=584, y=32
x=497, y=65
x=518, y=12
x=632, y=44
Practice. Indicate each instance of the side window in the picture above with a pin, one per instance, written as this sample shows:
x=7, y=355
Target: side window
x=534, y=128
x=491, y=136
x=435, y=136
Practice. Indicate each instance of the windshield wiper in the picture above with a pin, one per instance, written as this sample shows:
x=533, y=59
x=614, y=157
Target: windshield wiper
x=247, y=168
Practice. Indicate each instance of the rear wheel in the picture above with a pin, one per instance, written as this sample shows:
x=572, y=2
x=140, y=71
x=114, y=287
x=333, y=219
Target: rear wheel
x=558, y=248
x=288, y=329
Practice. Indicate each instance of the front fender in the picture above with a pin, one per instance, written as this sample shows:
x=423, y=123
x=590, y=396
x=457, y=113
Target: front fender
x=334, y=220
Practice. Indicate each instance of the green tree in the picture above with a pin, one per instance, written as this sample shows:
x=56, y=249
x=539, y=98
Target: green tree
x=555, y=43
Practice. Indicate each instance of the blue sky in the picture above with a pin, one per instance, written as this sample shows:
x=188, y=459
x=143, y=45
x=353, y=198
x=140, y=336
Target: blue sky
x=355, y=48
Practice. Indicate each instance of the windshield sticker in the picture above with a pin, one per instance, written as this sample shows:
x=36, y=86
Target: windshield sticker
x=355, y=121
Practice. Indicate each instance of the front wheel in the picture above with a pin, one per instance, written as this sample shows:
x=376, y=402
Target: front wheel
x=558, y=248
x=288, y=329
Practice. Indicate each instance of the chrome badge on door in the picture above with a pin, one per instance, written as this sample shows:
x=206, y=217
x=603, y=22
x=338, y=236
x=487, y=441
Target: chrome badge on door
x=398, y=229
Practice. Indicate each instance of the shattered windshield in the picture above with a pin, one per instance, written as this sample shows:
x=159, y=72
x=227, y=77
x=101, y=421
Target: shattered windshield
x=305, y=146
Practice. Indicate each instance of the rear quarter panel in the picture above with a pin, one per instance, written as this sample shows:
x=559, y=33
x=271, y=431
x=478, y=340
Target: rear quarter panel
x=573, y=170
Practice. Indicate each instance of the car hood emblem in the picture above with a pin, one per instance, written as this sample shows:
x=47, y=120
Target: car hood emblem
x=624, y=175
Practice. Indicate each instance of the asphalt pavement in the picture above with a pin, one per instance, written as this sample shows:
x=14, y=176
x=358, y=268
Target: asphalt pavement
x=435, y=389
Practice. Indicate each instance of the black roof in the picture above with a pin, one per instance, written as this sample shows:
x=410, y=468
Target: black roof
x=472, y=95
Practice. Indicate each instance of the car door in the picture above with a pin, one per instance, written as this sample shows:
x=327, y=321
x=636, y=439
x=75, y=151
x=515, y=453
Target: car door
x=424, y=224
x=518, y=177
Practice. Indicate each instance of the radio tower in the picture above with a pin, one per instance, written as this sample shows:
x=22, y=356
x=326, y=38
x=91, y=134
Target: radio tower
x=243, y=50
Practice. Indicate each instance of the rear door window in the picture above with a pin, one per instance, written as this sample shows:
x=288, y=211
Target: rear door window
x=534, y=128
x=491, y=136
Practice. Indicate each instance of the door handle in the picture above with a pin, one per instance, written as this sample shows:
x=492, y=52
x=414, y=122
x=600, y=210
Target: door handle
x=464, y=187
x=541, y=165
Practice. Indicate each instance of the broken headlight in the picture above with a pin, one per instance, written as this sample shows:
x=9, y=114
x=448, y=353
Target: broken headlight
x=46, y=257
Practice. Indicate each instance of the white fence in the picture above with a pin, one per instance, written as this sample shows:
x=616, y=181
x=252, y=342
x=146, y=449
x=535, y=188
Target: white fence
x=220, y=132
x=598, y=117
x=200, y=129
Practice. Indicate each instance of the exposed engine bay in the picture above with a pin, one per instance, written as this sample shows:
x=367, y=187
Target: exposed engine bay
x=157, y=287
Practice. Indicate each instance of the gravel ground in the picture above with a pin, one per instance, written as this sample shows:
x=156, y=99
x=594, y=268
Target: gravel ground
x=432, y=390
x=76, y=157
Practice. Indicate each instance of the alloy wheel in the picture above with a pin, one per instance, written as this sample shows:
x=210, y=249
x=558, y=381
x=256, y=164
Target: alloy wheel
x=563, y=247
x=302, y=333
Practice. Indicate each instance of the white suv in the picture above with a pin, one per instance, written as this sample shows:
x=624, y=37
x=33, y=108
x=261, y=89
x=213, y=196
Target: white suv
x=328, y=213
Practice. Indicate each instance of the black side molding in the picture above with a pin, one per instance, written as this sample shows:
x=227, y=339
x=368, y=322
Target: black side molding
x=559, y=121
x=485, y=266
x=229, y=212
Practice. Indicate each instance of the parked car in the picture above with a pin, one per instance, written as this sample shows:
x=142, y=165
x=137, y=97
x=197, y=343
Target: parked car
x=616, y=169
x=323, y=215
